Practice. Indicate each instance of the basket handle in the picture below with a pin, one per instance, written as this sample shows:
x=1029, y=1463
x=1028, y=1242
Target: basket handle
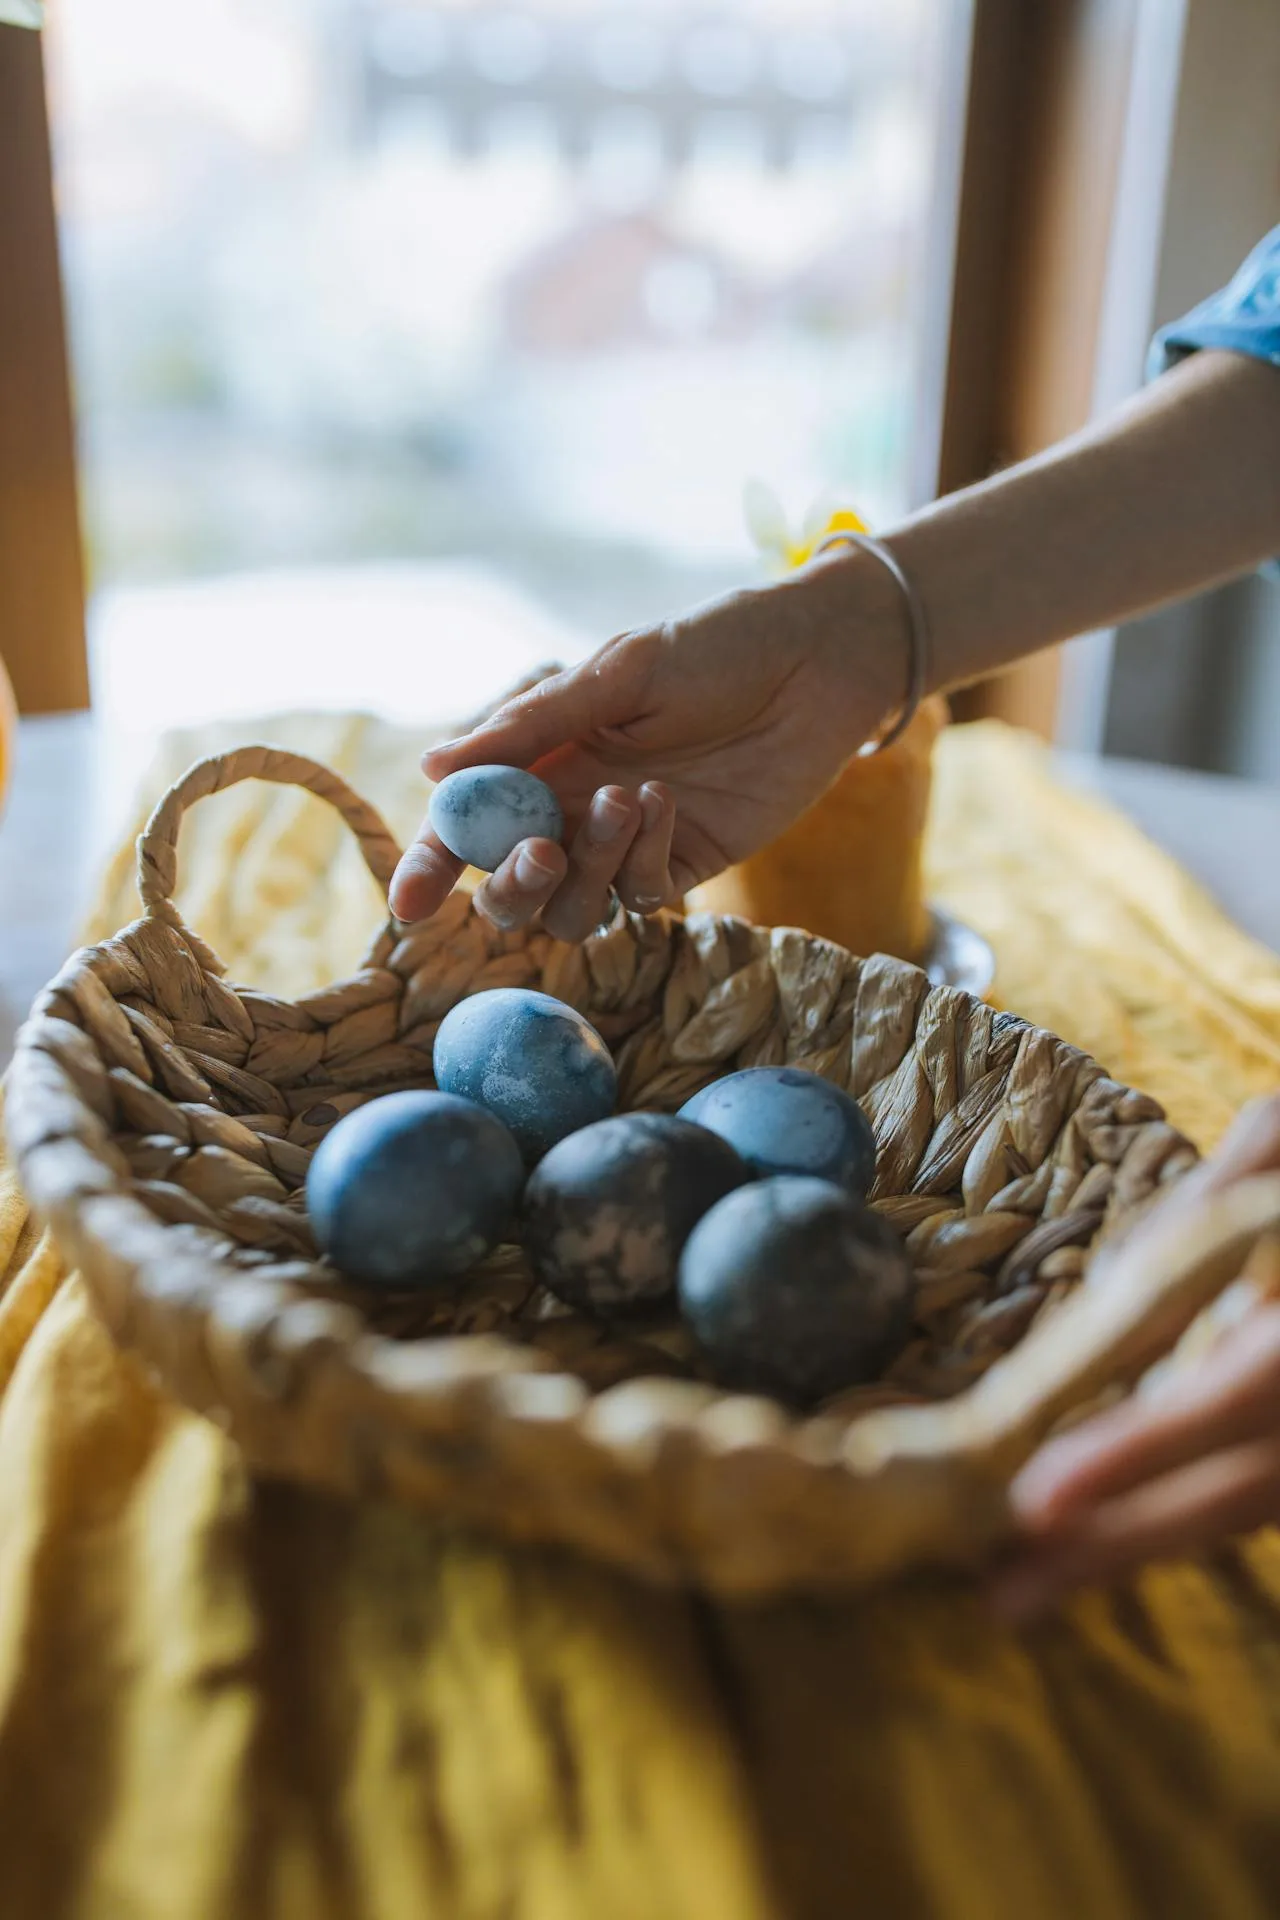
x=158, y=842
x=1116, y=1325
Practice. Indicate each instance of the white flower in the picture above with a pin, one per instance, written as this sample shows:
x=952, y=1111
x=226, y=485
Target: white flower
x=772, y=536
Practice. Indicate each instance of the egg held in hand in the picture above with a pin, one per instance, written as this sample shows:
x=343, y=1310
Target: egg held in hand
x=413, y=1188
x=608, y=1210
x=792, y=1288
x=785, y=1120
x=483, y=813
x=531, y=1060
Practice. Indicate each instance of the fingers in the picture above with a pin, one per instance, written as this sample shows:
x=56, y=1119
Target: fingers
x=534, y=678
x=1250, y=1145
x=523, y=884
x=1187, y=1512
x=1153, y=1478
x=559, y=709
x=1230, y=1397
x=611, y=689
x=644, y=881
x=623, y=841
x=424, y=879
x=599, y=848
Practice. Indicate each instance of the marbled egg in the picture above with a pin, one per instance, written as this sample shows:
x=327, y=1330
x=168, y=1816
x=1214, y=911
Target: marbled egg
x=531, y=1060
x=413, y=1188
x=793, y=1288
x=483, y=813
x=784, y=1120
x=609, y=1209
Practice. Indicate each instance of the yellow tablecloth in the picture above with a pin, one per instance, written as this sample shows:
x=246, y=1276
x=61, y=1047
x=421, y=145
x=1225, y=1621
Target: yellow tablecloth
x=219, y=1698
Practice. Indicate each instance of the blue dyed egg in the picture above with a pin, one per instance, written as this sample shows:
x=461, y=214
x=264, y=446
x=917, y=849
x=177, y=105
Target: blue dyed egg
x=609, y=1209
x=483, y=813
x=784, y=1120
x=531, y=1060
x=793, y=1288
x=413, y=1188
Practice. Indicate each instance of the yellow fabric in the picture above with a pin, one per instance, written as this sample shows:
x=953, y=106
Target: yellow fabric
x=223, y=1698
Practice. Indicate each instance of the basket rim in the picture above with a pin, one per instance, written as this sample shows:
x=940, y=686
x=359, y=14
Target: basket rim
x=464, y=1384
x=652, y=1473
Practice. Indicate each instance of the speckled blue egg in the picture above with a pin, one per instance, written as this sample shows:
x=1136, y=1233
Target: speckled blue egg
x=784, y=1120
x=531, y=1060
x=483, y=813
x=793, y=1288
x=609, y=1209
x=413, y=1189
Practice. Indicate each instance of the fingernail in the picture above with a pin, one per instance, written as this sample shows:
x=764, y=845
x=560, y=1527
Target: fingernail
x=530, y=874
x=647, y=902
x=609, y=815
x=650, y=807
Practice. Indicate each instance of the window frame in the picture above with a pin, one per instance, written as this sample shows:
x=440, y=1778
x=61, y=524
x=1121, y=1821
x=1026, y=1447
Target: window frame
x=1032, y=134
x=42, y=624
x=1032, y=111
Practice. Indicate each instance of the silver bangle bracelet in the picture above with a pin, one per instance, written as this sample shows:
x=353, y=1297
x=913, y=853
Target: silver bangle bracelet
x=918, y=637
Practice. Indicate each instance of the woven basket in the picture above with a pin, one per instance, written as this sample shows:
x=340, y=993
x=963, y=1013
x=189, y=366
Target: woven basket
x=163, y=1121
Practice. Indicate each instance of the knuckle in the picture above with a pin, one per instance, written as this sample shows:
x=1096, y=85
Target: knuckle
x=593, y=862
x=497, y=908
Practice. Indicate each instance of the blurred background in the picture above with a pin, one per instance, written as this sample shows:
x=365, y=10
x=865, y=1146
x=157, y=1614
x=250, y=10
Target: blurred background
x=457, y=329
x=413, y=342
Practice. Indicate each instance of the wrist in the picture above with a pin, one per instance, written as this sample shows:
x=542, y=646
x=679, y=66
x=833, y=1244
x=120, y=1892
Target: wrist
x=862, y=633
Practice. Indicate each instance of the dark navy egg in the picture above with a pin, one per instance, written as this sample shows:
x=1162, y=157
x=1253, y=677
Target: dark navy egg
x=609, y=1209
x=413, y=1188
x=793, y=1288
x=784, y=1120
x=483, y=813
x=533, y=1061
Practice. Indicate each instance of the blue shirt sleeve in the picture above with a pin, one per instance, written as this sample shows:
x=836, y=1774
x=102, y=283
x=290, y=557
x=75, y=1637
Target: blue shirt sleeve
x=1244, y=317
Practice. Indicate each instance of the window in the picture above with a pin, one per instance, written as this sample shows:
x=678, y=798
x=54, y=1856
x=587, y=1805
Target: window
x=414, y=341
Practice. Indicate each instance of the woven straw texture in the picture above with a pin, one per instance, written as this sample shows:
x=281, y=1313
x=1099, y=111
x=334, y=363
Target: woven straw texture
x=164, y=1121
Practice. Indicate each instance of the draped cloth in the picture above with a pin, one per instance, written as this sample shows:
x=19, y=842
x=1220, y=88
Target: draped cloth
x=226, y=1698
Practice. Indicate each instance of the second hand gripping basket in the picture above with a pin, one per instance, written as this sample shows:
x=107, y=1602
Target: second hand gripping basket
x=163, y=1121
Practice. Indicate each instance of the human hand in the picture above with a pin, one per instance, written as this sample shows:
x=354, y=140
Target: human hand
x=1173, y=1473
x=678, y=749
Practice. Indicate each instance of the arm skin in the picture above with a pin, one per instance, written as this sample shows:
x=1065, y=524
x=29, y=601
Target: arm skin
x=703, y=738
x=1177, y=491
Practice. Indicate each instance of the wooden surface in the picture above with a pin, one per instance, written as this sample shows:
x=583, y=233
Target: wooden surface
x=1036, y=156
x=41, y=578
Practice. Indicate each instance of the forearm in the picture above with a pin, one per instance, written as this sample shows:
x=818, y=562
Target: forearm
x=1178, y=490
